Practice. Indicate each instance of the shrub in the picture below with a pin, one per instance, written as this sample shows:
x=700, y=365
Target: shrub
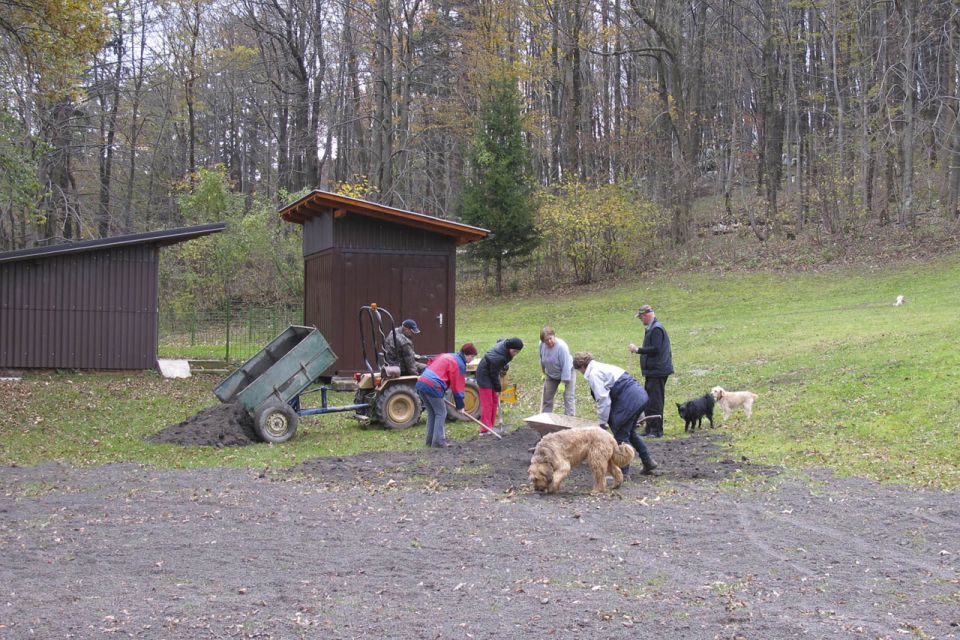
x=593, y=229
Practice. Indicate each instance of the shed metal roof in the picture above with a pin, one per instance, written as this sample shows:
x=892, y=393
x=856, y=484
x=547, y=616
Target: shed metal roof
x=162, y=238
x=317, y=202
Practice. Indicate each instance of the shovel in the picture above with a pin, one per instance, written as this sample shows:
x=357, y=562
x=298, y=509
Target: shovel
x=483, y=426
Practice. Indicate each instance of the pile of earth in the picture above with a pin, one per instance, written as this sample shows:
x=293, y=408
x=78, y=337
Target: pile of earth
x=223, y=425
x=481, y=461
x=486, y=462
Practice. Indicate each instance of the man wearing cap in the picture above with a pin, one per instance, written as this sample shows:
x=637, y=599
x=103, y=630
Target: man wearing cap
x=398, y=349
x=656, y=364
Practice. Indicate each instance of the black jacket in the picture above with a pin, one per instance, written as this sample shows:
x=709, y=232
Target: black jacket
x=656, y=360
x=491, y=365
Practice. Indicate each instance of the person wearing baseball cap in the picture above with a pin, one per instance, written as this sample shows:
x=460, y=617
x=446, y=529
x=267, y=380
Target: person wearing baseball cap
x=398, y=349
x=656, y=364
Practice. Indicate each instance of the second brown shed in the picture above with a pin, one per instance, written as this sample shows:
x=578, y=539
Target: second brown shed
x=357, y=252
x=92, y=304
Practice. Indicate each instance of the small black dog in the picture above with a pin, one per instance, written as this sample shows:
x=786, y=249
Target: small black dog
x=697, y=410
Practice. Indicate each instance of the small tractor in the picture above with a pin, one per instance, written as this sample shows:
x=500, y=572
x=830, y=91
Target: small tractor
x=384, y=395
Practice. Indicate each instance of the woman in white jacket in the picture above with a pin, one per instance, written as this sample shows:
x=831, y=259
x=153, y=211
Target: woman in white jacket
x=620, y=401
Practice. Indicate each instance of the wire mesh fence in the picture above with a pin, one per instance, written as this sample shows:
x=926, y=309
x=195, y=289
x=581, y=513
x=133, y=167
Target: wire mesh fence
x=232, y=334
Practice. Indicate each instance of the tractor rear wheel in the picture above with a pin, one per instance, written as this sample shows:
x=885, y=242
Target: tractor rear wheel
x=398, y=406
x=471, y=402
x=276, y=422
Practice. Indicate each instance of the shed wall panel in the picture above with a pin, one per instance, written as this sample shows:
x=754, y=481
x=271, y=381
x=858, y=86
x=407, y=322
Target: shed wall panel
x=319, y=289
x=352, y=231
x=92, y=310
x=339, y=282
x=359, y=232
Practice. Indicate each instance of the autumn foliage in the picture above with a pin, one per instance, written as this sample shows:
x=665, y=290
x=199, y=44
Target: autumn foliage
x=594, y=230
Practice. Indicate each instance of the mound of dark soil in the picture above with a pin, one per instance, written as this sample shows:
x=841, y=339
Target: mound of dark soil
x=486, y=462
x=224, y=425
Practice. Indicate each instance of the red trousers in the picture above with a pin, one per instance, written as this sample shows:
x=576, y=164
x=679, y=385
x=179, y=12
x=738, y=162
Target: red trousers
x=489, y=403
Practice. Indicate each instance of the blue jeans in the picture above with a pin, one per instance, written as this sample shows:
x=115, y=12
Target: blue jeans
x=436, y=417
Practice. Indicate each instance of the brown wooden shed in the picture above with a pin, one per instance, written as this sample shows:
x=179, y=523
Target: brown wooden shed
x=85, y=305
x=357, y=252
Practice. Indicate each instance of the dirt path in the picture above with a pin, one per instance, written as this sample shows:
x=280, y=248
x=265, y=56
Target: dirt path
x=452, y=544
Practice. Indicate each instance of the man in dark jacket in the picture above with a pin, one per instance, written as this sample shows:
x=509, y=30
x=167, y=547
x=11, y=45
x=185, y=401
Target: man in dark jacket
x=398, y=348
x=495, y=362
x=656, y=364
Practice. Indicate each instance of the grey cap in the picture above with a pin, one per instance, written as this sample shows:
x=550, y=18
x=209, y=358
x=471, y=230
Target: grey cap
x=644, y=309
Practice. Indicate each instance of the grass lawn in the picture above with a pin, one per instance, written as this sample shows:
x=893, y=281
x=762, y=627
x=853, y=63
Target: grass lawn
x=846, y=379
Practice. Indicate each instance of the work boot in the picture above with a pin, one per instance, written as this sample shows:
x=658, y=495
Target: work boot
x=649, y=464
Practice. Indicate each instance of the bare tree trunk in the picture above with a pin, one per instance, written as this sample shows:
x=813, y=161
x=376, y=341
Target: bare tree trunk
x=362, y=160
x=866, y=78
x=167, y=101
x=678, y=100
x=890, y=179
x=953, y=198
x=56, y=173
x=109, y=98
x=952, y=206
x=557, y=169
x=383, y=98
x=136, y=65
x=908, y=13
x=617, y=163
x=406, y=42
x=315, y=164
x=604, y=133
x=772, y=109
x=794, y=54
x=190, y=89
x=284, y=165
x=572, y=112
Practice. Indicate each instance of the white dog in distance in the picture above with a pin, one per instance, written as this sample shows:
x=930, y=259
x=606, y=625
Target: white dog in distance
x=899, y=301
x=730, y=400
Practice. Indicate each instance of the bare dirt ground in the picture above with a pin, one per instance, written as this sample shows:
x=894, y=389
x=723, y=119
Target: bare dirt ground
x=453, y=544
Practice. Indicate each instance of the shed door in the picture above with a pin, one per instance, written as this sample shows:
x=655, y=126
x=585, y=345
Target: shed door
x=425, y=300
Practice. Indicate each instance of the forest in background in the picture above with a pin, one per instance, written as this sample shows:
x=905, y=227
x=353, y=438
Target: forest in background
x=781, y=117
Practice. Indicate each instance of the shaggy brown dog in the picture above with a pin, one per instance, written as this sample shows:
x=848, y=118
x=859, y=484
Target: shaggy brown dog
x=558, y=452
x=730, y=400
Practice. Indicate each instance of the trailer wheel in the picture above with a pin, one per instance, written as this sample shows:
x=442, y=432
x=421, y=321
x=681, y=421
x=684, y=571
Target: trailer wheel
x=276, y=422
x=398, y=406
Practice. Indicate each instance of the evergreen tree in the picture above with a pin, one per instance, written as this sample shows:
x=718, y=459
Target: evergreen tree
x=498, y=195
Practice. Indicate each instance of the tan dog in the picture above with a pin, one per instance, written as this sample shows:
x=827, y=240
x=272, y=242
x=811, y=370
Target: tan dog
x=558, y=452
x=730, y=400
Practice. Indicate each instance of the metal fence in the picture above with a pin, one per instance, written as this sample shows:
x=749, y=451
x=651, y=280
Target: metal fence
x=231, y=335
